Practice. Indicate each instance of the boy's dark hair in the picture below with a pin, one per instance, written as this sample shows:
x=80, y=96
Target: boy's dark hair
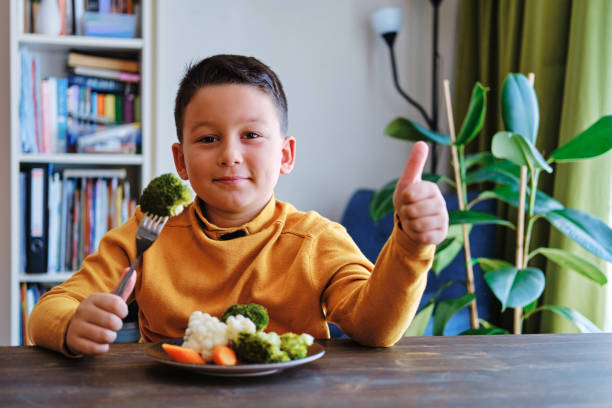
x=229, y=69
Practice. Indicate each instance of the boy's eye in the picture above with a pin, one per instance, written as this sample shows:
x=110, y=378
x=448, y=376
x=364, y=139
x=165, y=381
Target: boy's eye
x=207, y=139
x=251, y=135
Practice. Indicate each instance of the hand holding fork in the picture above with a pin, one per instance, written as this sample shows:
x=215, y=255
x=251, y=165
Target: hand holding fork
x=96, y=321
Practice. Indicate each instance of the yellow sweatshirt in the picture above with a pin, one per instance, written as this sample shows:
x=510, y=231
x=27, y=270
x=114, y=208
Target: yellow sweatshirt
x=305, y=269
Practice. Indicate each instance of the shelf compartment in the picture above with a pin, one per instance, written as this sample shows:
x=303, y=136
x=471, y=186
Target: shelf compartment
x=67, y=42
x=72, y=158
x=44, y=277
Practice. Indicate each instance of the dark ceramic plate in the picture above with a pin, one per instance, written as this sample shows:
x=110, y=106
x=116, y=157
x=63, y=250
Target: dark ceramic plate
x=155, y=351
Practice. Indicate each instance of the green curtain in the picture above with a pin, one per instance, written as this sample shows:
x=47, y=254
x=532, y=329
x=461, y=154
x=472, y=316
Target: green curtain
x=583, y=185
x=565, y=47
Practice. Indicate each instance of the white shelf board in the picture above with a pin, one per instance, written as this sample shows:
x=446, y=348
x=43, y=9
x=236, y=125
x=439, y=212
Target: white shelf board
x=128, y=159
x=44, y=277
x=65, y=42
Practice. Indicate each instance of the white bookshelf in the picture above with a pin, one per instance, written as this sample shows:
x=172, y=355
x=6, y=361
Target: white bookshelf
x=52, y=52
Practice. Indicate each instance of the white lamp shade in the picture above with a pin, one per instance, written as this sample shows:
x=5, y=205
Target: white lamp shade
x=387, y=20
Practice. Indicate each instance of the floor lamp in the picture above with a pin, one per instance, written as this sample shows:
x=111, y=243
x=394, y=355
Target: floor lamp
x=387, y=22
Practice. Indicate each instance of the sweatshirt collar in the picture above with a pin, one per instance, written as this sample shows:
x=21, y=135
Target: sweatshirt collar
x=221, y=233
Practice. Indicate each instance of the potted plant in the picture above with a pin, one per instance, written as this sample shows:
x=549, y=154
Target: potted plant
x=514, y=166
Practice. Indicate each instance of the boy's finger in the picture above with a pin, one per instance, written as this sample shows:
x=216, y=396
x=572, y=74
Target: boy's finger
x=416, y=163
x=129, y=286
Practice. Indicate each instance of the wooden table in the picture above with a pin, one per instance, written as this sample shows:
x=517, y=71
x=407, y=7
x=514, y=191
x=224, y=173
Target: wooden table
x=464, y=371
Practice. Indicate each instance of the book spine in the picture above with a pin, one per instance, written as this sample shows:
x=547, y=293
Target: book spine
x=62, y=114
x=45, y=125
x=96, y=84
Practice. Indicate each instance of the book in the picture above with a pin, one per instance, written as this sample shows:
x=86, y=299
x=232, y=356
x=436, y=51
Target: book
x=97, y=84
x=27, y=131
x=45, y=125
x=51, y=145
x=76, y=59
x=107, y=73
x=62, y=114
x=37, y=221
x=23, y=183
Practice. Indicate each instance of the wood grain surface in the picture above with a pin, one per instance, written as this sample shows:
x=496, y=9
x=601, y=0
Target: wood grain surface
x=463, y=371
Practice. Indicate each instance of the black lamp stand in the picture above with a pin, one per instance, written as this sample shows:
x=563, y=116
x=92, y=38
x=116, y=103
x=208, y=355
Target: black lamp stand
x=432, y=121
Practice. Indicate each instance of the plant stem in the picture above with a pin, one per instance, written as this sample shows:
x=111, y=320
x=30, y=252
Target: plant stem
x=532, y=196
x=520, y=227
x=461, y=200
x=527, y=256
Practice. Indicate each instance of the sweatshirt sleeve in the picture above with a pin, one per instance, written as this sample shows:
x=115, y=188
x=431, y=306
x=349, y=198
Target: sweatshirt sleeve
x=375, y=306
x=100, y=272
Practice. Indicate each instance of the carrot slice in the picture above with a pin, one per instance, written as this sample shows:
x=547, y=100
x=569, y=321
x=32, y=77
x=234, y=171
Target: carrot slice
x=224, y=355
x=183, y=354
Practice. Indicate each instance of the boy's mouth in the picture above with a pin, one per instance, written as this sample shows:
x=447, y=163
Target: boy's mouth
x=230, y=180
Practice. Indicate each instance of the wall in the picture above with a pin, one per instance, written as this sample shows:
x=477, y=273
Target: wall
x=5, y=103
x=336, y=74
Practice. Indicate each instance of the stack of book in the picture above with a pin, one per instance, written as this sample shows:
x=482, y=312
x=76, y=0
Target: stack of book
x=30, y=294
x=108, y=18
x=67, y=214
x=99, y=97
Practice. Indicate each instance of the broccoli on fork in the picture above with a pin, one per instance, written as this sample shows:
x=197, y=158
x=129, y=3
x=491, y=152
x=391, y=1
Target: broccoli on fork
x=165, y=196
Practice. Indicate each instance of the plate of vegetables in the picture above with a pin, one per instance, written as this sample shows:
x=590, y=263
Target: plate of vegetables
x=235, y=345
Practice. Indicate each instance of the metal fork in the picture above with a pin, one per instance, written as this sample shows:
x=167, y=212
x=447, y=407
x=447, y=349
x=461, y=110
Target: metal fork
x=148, y=230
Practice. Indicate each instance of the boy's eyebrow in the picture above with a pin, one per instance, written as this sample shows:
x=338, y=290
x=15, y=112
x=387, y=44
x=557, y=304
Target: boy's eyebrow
x=212, y=124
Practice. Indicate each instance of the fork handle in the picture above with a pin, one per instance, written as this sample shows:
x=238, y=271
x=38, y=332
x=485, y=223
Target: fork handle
x=121, y=287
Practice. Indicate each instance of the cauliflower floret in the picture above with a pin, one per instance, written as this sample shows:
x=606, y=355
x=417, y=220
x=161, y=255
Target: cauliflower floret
x=236, y=324
x=203, y=333
x=271, y=337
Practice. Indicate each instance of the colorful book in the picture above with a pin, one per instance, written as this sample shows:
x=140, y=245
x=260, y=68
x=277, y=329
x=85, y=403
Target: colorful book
x=45, y=122
x=62, y=114
x=96, y=84
x=108, y=73
x=76, y=59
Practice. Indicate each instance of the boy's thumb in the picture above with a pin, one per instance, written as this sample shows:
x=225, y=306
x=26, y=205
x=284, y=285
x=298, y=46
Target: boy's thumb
x=414, y=168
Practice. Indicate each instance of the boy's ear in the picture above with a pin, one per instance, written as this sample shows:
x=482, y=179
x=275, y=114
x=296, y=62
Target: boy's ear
x=179, y=161
x=287, y=155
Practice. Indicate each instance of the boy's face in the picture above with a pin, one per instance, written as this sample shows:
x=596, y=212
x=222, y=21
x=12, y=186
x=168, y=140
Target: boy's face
x=233, y=151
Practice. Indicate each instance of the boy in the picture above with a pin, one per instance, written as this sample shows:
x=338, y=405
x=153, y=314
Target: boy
x=237, y=244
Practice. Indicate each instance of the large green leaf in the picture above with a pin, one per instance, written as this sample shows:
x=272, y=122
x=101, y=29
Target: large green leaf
x=501, y=172
x=421, y=320
x=519, y=106
x=447, y=308
x=575, y=263
x=447, y=251
x=482, y=158
x=582, y=323
x=405, y=129
x=490, y=264
x=594, y=141
x=475, y=218
x=381, y=202
x=474, y=119
x=588, y=231
x=510, y=194
x=517, y=149
x=516, y=287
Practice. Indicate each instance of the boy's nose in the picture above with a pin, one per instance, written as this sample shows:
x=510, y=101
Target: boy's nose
x=230, y=154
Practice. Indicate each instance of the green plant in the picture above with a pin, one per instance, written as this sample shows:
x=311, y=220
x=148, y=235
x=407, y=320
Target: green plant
x=512, y=163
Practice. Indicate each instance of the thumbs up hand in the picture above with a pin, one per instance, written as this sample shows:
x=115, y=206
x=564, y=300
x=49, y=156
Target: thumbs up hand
x=419, y=204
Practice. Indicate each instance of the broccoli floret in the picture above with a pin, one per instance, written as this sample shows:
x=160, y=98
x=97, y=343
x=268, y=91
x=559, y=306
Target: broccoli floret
x=165, y=196
x=259, y=348
x=295, y=345
x=256, y=313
